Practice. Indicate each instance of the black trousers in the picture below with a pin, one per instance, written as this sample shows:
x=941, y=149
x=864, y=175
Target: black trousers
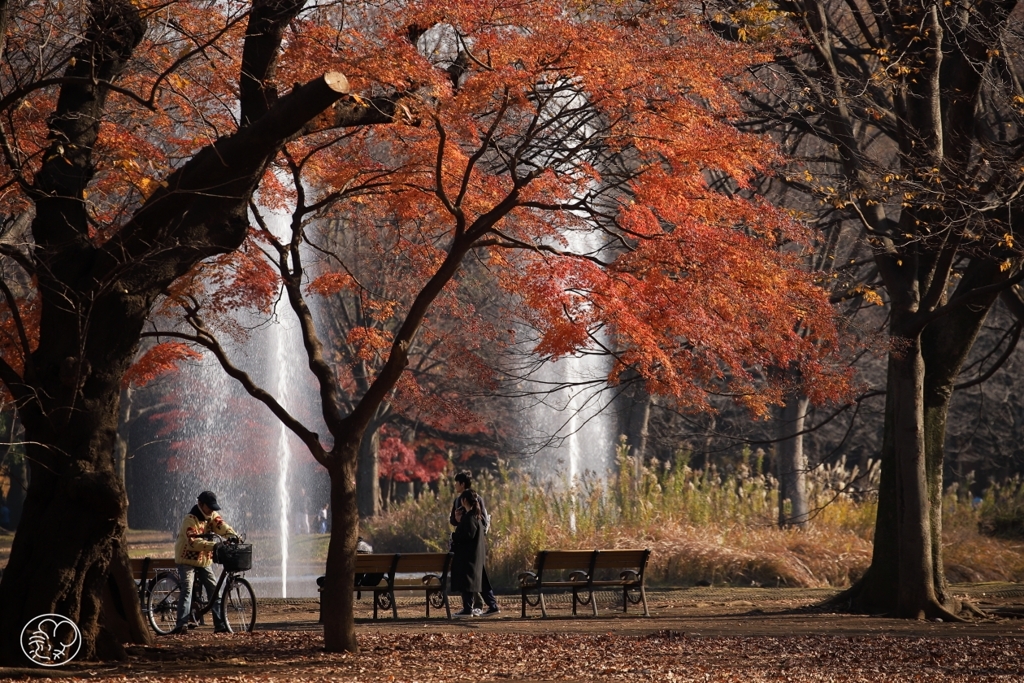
x=487, y=593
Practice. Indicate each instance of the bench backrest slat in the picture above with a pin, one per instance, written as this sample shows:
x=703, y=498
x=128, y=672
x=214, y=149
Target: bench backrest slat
x=431, y=563
x=374, y=563
x=589, y=561
x=621, y=559
x=377, y=563
x=564, y=559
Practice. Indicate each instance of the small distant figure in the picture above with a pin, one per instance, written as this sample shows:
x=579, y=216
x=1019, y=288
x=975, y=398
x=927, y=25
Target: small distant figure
x=323, y=517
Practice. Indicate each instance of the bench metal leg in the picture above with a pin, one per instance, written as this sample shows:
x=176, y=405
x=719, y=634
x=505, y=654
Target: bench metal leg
x=643, y=596
x=447, y=606
x=522, y=595
x=593, y=600
x=575, y=598
x=394, y=605
x=543, y=607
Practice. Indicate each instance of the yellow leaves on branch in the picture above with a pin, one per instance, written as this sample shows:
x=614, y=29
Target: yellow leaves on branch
x=868, y=294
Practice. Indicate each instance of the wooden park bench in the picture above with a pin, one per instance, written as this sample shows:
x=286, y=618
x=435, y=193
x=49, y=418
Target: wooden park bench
x=145, y=571
x=587, y=570
x=385, y=574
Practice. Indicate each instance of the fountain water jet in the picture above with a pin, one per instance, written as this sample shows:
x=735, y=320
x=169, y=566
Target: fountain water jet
x=282, y=365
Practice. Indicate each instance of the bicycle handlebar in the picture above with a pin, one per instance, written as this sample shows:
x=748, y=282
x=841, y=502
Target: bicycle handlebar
x=212, y=536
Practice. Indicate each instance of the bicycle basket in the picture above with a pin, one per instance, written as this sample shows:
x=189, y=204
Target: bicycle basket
x=236, y=557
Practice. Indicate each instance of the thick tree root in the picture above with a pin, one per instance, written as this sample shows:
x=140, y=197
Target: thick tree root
x=855, y=600
x=974, y=610
x=935, y=611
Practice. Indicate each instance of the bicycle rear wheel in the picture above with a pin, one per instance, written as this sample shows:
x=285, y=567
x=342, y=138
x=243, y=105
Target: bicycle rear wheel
x=239, y=605
x=162, y=603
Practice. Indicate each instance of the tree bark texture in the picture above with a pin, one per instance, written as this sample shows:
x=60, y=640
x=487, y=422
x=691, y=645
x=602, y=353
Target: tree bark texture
x=792, y=462
x=337, y=596
x=915, y=584
x=369, y=473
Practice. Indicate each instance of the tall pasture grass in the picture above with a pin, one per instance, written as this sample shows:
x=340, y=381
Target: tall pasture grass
x=703, y=525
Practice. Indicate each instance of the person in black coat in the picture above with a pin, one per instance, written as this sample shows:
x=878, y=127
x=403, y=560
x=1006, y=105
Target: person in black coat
x=469, y=543
x=463, y=483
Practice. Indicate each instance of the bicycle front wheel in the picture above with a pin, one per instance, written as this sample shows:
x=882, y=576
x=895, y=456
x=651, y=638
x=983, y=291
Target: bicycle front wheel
x=239, y=605
x=162, y=603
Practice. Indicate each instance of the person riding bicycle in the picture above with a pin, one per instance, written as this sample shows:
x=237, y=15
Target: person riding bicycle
x=193, y=553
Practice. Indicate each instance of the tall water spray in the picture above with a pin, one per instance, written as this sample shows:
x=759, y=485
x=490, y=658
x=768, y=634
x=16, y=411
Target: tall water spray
x=571, y=421
x=282, y=366
x=284, y=337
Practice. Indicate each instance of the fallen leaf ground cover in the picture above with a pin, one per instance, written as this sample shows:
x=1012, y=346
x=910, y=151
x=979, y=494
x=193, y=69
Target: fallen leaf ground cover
x=538, y=656
x=713, y=634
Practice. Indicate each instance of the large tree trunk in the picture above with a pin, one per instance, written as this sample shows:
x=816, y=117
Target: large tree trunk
x=901, y=578
x=792, y=462
x=82, y=500
x=915, y=584
x=75, y=493
x=369, y=473
x=338, y=595
x=945, y=346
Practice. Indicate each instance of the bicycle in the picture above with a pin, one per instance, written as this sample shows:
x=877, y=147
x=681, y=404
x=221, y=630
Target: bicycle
x=237, y=599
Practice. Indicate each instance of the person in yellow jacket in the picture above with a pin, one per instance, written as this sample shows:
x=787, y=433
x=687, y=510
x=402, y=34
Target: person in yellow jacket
x=193, y=553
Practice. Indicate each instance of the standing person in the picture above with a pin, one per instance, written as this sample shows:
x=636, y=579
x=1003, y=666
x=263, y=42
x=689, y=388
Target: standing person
x=469, y=543
x=463, y=483
x=323, y=517
x=193, y=553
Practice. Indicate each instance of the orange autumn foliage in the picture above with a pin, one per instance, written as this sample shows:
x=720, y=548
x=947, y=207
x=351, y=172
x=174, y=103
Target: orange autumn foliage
x=583, y=178
x=579, y=147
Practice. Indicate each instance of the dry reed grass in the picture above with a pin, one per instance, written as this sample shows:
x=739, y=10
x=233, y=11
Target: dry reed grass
x=703, y=526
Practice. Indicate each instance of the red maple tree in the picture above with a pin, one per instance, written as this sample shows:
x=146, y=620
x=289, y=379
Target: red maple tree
x=579, y=177
x=582, y=153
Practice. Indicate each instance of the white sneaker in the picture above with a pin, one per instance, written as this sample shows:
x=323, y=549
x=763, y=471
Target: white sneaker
x=477, y=612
